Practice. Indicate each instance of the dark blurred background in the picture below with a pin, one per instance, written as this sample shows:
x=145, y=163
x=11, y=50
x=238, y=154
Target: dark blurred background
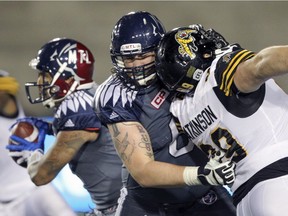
x=26, y=25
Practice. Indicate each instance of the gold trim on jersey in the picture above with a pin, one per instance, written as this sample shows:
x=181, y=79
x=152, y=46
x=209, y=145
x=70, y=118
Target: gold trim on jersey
x=228, y=74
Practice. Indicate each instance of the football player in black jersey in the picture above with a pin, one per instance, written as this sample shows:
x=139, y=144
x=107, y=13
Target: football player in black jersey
x=65, y=70
x=164, y=174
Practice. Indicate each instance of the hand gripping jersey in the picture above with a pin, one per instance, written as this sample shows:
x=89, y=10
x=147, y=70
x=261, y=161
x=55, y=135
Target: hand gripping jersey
x=97, y=163
x=250, y=128
x=150, y=106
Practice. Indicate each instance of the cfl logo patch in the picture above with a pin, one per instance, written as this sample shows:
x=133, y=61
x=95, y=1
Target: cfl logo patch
x=159, y=98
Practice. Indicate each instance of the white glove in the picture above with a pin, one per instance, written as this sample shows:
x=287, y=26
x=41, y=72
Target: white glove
x=196, y=26
x=216, y=172
x=20, y=157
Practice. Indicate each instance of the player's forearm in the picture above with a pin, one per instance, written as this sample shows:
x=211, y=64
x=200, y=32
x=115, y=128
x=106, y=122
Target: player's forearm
x=38, y=174
x=272, y=61
x=134, y=147
x=160, y=174
x=66, y=146
x=268, y=63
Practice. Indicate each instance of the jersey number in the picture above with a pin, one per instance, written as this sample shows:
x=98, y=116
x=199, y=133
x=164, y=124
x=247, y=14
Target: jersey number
x=222, y=137
x=174, y=147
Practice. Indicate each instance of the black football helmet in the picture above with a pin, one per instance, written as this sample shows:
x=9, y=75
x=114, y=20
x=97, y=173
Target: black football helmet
x=134, y=34
x=184, y=54
x=62, y=58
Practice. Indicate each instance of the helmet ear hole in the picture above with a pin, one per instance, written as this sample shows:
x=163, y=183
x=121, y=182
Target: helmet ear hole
x=207, y=55
x=54, y=89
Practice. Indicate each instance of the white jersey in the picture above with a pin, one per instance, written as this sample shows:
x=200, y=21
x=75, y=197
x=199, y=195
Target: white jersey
x=250, y=128
x=14, y=180
x=18, y=194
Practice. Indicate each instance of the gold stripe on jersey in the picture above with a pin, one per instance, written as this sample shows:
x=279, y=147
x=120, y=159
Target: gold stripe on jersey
x=228, y=88
x=231, y=63
x=228, y=74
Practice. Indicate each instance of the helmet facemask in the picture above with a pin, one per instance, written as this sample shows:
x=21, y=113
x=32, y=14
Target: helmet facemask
x=49, y=91
x=136, y=77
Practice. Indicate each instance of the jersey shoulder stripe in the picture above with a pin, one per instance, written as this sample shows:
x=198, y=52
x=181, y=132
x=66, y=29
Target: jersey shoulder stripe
x=229, y=63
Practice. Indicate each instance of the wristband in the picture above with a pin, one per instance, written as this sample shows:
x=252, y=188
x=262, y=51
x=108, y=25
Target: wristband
x=190, y=176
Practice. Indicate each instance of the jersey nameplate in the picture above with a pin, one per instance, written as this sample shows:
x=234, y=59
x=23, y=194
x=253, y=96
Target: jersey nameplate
x=159, y=98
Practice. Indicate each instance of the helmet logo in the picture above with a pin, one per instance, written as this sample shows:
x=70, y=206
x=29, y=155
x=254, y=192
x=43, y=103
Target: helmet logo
x=71, y=51
x=131, y=48
x=186, y=42
x=154, y=30
x=84, y=57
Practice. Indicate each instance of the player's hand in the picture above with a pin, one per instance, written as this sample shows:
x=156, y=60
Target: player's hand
x=196, y=27
x=22, y=156
x=20, y=149
x=39, y=123
x=216, y=172
x=24, y=145
x=217, y=38
x=212, y=35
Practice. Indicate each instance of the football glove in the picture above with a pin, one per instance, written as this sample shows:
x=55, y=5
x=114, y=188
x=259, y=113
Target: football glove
x=22, y=144
x=22, y=157
x=216, y=172
x=217, y=38
x=196, y=27
x=23, y=149
x=211, y=35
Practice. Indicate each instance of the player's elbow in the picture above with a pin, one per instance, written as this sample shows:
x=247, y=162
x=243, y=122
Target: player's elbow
x=39, y=178
x=144, y=178
x=38, y=181
x=144, y=182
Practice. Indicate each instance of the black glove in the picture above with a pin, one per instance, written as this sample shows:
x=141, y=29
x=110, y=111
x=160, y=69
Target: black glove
x=217, y=173
x=211, y=35
x=217, y=38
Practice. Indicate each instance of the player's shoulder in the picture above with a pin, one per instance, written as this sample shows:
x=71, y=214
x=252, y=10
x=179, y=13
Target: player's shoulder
x=112, y=93
x=109, y=85
x=79, y=102
x=76, y=112
x=226, y=62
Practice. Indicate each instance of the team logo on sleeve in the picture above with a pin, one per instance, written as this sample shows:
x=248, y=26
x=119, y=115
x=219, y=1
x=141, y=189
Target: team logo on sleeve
x=226, y=58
